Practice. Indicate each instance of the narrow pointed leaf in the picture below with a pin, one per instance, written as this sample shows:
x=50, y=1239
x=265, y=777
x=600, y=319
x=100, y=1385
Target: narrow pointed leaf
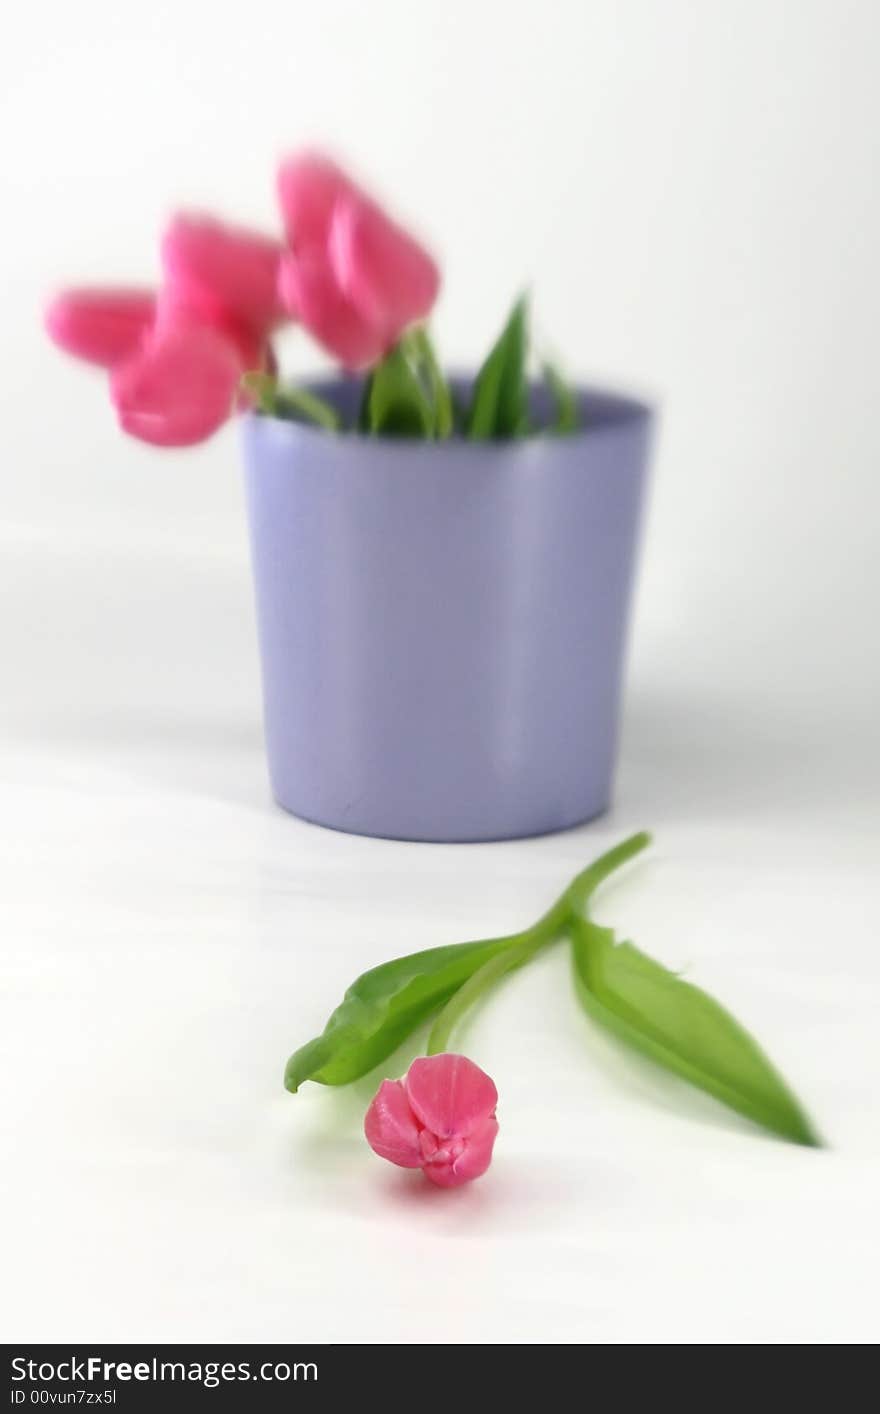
x=683, y=1029
x=384, y=1006
x=397, y=404
x=565, y=416
x=420, y=351
x=303, y=406
x=499, y=405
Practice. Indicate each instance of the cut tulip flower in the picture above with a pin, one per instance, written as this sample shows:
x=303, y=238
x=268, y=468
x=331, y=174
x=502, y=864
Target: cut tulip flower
x=352, y=276
x=440, y=1118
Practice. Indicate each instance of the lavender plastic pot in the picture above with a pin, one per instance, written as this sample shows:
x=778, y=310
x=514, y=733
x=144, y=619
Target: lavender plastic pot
x=442, y=625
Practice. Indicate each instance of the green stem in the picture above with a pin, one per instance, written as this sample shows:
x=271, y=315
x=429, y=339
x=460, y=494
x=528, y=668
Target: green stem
x=521, y=947
x=481, y=980
x=585, y=884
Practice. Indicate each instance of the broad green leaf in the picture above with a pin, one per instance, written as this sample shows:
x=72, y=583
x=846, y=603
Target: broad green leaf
x=565, y=417
x=296, y=404
x=397, y=404
x=499, y=404
x=682, y=1028
x=382, y=1008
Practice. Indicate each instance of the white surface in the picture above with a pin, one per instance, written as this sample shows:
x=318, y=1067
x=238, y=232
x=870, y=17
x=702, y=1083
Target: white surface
x=692, y=188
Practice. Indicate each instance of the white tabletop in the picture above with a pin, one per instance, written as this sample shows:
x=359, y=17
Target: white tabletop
x=169, y=936
x=694, y=199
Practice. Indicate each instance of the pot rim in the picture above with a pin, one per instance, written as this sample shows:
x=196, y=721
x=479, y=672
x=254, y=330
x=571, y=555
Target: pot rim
x=604, y=412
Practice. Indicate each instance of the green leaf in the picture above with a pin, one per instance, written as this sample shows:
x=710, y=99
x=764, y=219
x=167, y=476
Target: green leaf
x=420, y=350
x=565, y=418
x=683, y=1029
x=499, y=405
x=386, y=1004
x=294, y=404
x=302, y=406
x=382, y=1008
x=397, y=404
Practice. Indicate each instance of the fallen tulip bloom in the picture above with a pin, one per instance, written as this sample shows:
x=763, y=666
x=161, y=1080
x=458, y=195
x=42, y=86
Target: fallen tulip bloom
x=352, y=276
x=440, y=1118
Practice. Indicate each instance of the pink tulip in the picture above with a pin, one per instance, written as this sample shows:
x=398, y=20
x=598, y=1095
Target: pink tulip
x=179, y=388
x=101, y=326
x=439, y=1118
x=223, y=270
x=352, y=276
x=176, y=358
x=250, y=345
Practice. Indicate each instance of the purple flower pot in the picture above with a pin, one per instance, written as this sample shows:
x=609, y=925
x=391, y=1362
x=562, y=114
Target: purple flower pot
x=442, y=625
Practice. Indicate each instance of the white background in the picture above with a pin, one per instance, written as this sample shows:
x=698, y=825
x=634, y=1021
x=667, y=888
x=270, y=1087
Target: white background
x=690, y=190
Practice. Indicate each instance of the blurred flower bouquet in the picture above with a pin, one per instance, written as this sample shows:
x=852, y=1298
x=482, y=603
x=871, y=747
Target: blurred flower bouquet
x=442, y=597
x=182, y=359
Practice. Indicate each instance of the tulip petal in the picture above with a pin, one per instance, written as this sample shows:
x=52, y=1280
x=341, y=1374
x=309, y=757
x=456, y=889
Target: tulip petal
x=391, y=1128
x=475, y=1158
x=179, y=389
x=309, y=291
x=308, y=188
x=174, y=311
x=234, y=267
x=385, y=274
x=477, y=1154
x=102, y=326
x=450, y=1095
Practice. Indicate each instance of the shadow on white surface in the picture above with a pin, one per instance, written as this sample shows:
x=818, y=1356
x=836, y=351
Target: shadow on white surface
x=696, y=755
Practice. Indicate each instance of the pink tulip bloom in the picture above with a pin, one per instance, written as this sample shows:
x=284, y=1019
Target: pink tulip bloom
x=352, y=276
x=101, y=326
x=223, y=270
x=173, y=314
x=179, y=389
x=439, y=1118
x=176, y=357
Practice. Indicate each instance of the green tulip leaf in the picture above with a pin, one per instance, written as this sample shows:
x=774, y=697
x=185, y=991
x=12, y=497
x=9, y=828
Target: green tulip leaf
x=420, y=352
x=683, y=1029
x=302, y=406
x=499, y=404
x=397, y=404
x=384, y=1006
x=565, y=413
